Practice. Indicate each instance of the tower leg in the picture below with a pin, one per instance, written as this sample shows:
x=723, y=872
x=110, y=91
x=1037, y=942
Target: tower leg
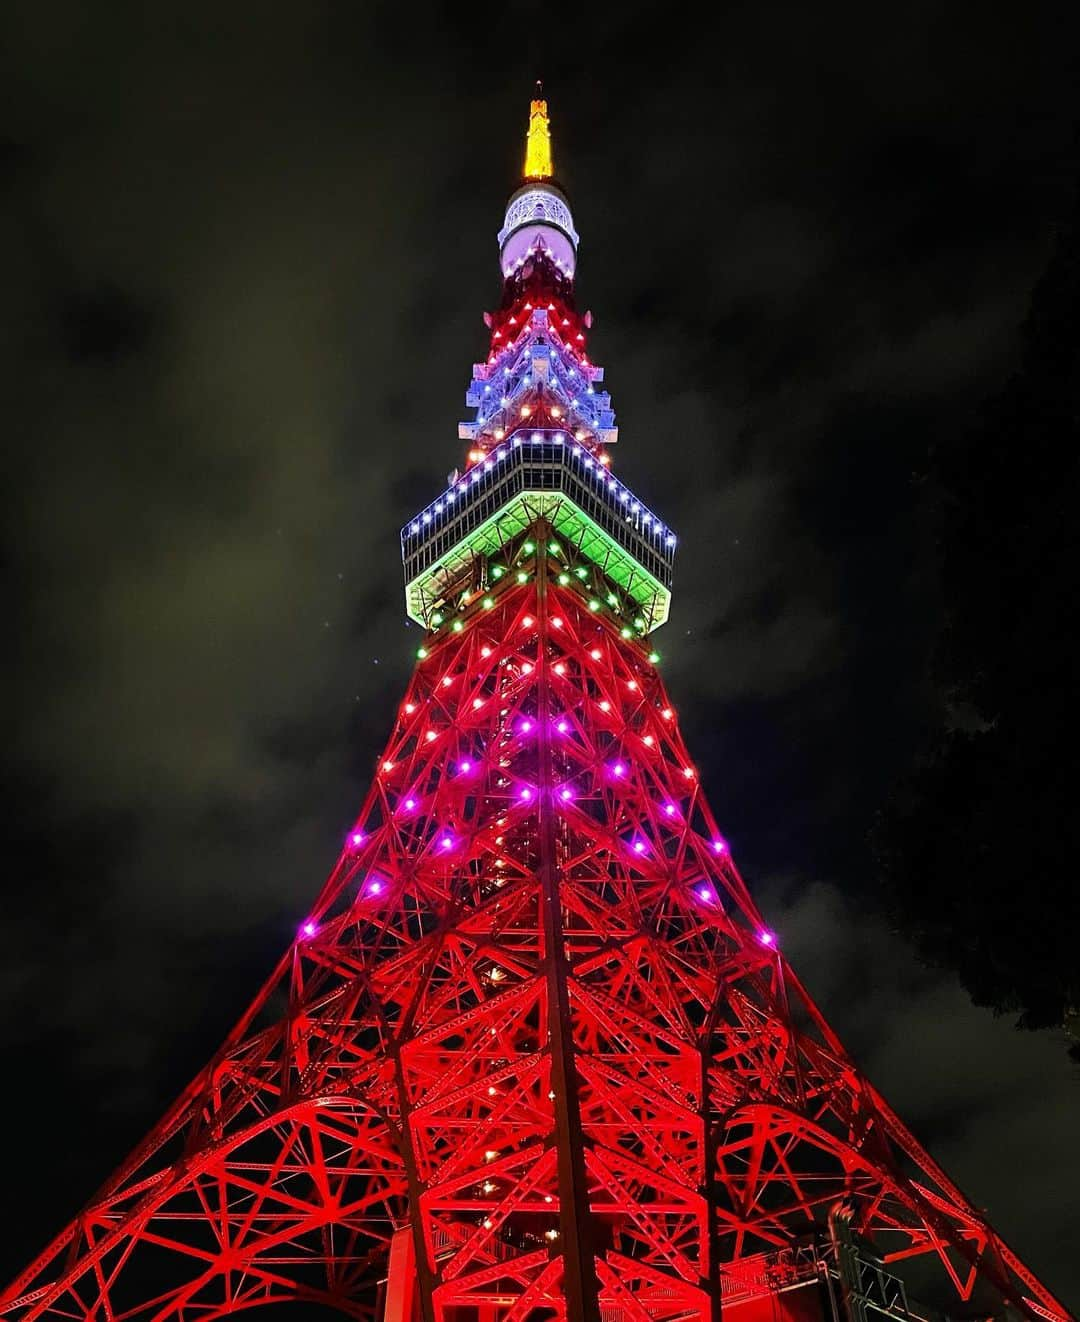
x=401, y=1298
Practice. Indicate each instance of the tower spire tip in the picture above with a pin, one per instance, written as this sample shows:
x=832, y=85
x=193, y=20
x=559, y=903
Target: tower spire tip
x=538, y=160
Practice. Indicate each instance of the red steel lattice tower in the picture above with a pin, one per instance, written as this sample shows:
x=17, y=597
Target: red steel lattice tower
x=534, y=1054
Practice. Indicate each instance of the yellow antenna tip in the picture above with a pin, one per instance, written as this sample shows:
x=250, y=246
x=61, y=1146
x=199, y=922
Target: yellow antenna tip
x=538, y=163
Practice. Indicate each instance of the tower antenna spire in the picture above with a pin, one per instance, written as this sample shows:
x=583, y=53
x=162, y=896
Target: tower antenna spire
x=538, y=160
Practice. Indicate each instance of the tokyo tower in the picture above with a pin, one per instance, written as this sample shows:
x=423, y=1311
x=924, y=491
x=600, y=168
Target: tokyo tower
x=534, y=1053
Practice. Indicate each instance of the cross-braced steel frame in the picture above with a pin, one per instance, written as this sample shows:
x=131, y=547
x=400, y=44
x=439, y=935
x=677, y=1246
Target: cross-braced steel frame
x=536, y=1017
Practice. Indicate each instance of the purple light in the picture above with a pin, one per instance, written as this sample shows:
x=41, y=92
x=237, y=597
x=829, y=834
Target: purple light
x=719, y=846
x=410, y=804
x=309, y=928
x=766, y=937
x=447, y=842
x=566, y=794
x=375, y=887
x=618, y=769
x=357, y=838
x=525, y=726
x=464, y=766
x=526, y=793
x=639, y=846
x=562, y=727
x=669, y=808
x=706, y=893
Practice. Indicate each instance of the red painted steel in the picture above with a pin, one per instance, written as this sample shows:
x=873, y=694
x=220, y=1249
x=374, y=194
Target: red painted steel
x=536, y=1016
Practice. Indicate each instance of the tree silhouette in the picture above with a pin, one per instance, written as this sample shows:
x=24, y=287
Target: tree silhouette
x=978, y=846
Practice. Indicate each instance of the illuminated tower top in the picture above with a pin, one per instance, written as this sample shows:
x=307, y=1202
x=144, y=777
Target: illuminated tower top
x=538, y=471
x=538, y=163
x=538, y=212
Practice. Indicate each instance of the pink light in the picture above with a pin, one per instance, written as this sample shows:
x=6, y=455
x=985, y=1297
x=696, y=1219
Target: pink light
x=447, y=842
x=309, y=929
x=525, y=726
x=375, y=887
x=485, y=651
x=719, y=846
x=464, y=766
x=639, y=846
x=526, y=793
x=556, y=623
x=706, y=893
x=566, y=794
x=618, y=769
x=410, y=707
x=357, y=838
x=410, y=804
x=669, y=808
x=562, y=727
x=596, y=654
x=766, y=937
x=526, y=622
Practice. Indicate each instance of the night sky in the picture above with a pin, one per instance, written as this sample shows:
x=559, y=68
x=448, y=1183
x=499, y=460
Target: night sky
x=244, y=252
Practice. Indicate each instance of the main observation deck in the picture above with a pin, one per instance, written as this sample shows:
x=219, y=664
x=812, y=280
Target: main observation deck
x=538, y=476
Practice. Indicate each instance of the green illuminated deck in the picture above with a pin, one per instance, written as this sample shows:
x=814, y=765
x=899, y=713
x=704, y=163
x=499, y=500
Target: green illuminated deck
x=582, y=536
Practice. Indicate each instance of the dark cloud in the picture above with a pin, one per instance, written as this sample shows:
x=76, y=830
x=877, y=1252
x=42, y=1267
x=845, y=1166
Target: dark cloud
x=244, y=255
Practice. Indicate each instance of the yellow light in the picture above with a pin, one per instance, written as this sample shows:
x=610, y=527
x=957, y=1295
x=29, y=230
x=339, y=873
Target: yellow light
x=538, y=143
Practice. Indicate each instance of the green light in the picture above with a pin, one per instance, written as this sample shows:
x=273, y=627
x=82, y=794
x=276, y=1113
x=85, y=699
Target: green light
x=529, y=548
x=458, y=626
x=594, y=605
x=498, y=571
x=523, y=578
x=421, y=652
x=627, y=633
x=640, y=591
x=582, y=572
x=612, y=599
x=436, y=619
x=654, y=657
x=554, y=548
x=639, y=623
x=564, y=579
x=488, y=603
